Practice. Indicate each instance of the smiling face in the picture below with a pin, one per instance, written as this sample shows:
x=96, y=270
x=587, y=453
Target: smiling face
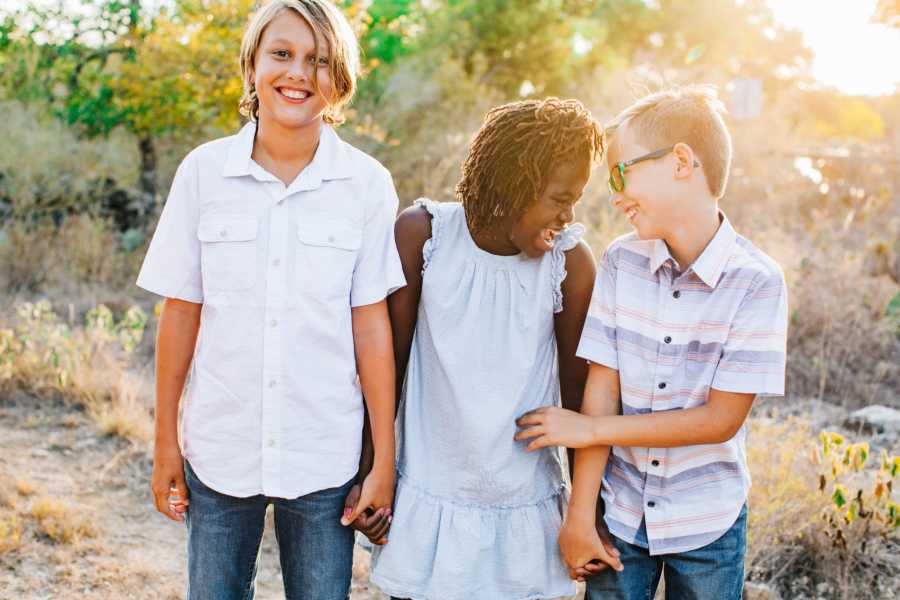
x=286, y=69
x=650, y=199
x=534, y=232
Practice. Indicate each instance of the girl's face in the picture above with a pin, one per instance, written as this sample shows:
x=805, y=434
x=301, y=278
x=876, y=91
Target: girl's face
x=284, y=67
x=535, y=230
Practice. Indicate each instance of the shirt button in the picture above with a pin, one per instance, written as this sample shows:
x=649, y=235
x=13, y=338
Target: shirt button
x=223, y=233
x=668, y=339
x=651, y=504
x=662, y=385
x=676, y=294
x=273, y=322
x=655, y=463
x=331, y=238
x=276, y=262
x=271, y=443
x=272, y=383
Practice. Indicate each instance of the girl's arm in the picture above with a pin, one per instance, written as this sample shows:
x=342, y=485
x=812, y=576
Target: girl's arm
x=179, y=323
x=411, y=231
x=576, y=290
x=579, y=541
x=573, y=371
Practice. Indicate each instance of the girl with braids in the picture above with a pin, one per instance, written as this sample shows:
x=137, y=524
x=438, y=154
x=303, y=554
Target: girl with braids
x=498, y=286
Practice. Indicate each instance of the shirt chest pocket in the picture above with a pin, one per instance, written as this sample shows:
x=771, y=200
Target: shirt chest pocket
x=325, y=258
x=228, y=253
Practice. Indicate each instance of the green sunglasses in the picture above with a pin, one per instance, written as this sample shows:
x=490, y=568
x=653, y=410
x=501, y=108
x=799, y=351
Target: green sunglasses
x=616, y=180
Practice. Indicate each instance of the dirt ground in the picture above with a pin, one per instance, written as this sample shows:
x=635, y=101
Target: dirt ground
x=50, y=451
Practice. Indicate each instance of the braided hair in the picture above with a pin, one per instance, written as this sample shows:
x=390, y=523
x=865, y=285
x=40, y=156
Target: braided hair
x=513, y=153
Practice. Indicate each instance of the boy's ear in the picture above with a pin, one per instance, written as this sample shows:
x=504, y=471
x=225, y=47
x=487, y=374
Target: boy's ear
x=685, y=160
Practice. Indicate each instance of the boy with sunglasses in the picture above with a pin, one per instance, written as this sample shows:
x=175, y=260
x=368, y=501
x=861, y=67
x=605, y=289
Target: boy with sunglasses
x=687, y=325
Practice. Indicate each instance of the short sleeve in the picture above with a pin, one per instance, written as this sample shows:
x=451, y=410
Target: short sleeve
x=171, y=267
x=378, y=270
x=564, y=242
x=437, y=226
x=598, y=338
x=753, y=357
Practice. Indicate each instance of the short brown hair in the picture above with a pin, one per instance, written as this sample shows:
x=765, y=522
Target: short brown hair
x=331, y=30
x=513, y=152
x=691, y=115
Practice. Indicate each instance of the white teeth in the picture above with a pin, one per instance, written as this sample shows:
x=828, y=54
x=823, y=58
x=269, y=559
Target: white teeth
x=294, y=94
x=631, y=212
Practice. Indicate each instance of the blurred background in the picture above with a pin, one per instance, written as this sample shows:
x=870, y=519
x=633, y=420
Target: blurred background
x=101, y=99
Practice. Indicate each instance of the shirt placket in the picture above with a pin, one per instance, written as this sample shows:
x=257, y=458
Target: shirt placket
x=654, y=502
x=274, y=390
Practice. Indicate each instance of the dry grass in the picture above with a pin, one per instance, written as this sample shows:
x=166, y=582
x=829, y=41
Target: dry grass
x=10, y=532
x=81, y=252
x=128, y=416
x=788, y=546
x=24, y=488
x=87, y=365
x=61, y=523
x=784, y=502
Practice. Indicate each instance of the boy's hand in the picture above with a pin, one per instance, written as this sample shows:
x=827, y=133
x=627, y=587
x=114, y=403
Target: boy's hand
x=170, y=493
x=373, y=524
x=377, y=492
x=554, y=426
x=580, y=545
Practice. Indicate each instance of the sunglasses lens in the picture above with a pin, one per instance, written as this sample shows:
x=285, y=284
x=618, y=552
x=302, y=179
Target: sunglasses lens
x=616, y=181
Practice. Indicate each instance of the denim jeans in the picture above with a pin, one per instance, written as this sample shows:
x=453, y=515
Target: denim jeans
x=224, y=535
x=713, y=572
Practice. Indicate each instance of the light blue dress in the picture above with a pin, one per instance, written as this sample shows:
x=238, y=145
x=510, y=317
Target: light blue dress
x=476, y=516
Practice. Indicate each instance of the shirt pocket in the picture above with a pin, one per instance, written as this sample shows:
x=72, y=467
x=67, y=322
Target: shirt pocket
x=326, y=257
x=228, y=253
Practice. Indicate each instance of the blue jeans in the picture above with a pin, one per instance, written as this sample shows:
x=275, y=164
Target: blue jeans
x=713, y=572
x=224, y=535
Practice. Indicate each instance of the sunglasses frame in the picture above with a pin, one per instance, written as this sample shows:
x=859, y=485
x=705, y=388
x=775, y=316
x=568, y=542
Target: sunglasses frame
x=620, y=167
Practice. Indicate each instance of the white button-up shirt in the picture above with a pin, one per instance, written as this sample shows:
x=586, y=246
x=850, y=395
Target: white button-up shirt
x=274, y=404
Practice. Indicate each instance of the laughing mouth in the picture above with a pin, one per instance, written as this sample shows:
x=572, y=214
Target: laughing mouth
x=294, y=93
x=548, y=235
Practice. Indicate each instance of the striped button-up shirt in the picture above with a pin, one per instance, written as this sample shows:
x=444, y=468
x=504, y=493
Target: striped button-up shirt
x=673, y=335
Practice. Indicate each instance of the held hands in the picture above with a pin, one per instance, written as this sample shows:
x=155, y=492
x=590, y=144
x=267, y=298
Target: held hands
x=367, y=508
x=170, y=494
x=554, y=426
x=587, y=549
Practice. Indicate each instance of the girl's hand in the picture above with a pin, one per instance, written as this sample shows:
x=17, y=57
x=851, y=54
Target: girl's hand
x=377, y=493
x=554, y=426
x=372, y=524
x=580, y=546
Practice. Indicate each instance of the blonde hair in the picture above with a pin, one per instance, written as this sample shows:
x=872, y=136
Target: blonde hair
x=331, y=30
x=691, y=115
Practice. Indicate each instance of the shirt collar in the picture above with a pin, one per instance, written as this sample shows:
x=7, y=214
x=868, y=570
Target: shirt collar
x=331, y=160
x=711, y=263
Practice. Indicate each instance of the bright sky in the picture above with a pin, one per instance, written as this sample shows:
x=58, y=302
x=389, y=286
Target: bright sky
x=849, y=52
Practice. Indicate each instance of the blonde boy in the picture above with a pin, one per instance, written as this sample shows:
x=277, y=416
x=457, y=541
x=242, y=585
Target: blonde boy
x=687, y=325
x=275, y=253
